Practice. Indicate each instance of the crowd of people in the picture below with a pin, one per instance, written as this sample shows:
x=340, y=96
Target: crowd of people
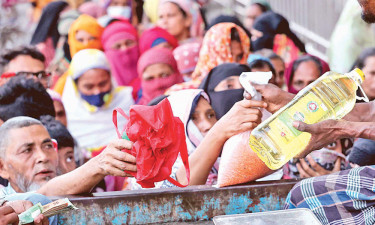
x=88, y=58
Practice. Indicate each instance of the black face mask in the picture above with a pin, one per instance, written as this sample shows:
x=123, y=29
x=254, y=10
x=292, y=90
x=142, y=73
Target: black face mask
x=223, y=101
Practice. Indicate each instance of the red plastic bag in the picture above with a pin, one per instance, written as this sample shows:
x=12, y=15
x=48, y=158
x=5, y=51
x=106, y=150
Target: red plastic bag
x=239, y=163
x=158, y=138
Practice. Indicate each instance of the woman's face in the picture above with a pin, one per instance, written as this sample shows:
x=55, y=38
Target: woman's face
x=236, y=51
x=204, y=116
x=173, y=20
x=84, y=37
x=232, y=82
x=124, y=44
x=369, y=82
x=94, y=81
x=157, y=70
x=66, y=159
x=306, y=73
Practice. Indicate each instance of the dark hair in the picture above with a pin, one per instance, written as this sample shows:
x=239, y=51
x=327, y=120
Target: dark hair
x=261, y=63
x=22, y=96
x=275, y=56
x=235, y=35
x=360, y=62
x=306, y=58
x=23, y=50
x=261, y=6
x=58, y=131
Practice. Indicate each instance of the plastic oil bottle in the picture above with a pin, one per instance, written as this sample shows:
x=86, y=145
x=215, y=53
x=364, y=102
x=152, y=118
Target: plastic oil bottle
x=331, y=96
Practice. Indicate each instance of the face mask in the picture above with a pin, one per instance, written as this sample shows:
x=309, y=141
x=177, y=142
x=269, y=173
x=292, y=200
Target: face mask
x=95, y=100
x=123, y=11
x=223, y=101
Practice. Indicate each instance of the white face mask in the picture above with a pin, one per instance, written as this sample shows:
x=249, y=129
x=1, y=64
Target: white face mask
x=123, y=11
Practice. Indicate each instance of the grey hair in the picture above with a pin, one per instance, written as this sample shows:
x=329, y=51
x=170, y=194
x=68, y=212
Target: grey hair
x=14, y=123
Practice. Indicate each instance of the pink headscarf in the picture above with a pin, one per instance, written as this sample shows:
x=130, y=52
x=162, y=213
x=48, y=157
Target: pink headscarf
x=92, y=9
x=123, y=62
x=191, y=8
x=187, y=56
x=153, y=88
x=149, y=37
x=289, y=73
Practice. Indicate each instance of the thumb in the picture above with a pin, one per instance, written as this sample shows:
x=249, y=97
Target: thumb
x=258, y=87
x=301, y=126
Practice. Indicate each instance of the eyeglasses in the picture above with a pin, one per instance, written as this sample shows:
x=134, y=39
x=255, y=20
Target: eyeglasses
x=39, y=75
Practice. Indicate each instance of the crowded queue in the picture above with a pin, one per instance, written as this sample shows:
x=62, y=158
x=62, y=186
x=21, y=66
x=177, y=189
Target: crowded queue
x=87, y=59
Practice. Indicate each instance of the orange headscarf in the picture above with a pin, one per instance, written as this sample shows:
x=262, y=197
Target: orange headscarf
x=91, y=26
x=216, y=49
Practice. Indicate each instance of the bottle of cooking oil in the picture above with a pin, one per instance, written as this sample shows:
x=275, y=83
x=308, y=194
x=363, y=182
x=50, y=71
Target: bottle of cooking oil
x=331, y=96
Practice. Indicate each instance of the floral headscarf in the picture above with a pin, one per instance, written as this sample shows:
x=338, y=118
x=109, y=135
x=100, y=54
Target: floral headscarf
x=216, y=48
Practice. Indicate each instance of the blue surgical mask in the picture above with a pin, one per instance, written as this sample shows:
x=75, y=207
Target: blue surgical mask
x=95, y=100
x=123, y=11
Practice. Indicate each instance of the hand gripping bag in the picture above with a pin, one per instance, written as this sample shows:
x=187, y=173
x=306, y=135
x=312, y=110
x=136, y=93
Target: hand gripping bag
x=239, y=163
x=158, y=139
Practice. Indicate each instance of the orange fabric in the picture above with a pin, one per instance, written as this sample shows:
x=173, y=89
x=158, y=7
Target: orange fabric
x=216, y=49
x=91, y=26
x=285, y=48
x=60, y=84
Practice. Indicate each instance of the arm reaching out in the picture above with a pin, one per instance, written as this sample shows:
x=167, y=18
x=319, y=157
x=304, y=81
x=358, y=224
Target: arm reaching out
x=112, y=161
x=242, y=117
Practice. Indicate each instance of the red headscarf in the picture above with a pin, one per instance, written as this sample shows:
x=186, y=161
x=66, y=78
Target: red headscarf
x=123, y=62
x=289, y=71
x=153, y=88
x=148, y=38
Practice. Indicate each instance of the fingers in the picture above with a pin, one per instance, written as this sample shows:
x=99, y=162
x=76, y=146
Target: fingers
x=116, y=172
x=123, y=165
x=301, y=126
x=123, y=156
x=20, y=206
x=337, y=166
x=307, y=168
x=253, y=104
x=121, y=144
x=247, y=96
x=301, y=171
x=41, y=220
x=7, y=215
x=320, y=170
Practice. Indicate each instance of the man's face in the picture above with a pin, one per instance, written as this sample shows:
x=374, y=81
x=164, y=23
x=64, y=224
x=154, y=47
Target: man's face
x=25, y=63
x=368, y=10
x=30, y=158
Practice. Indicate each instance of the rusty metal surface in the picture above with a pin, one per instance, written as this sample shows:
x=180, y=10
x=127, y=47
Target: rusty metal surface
x=173, y=205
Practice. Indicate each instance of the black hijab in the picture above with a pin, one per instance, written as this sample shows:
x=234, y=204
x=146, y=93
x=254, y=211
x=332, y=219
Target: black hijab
x=47, y=26
x=270, y=24
x=223, y=101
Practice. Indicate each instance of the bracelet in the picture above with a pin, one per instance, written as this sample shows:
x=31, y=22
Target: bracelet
x=2, y=201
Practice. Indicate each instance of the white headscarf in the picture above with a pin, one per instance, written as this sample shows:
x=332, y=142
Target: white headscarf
x=92, y=126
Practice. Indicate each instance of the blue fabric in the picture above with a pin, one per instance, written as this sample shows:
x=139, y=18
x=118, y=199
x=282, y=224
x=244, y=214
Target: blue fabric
x=158, y=41
x=95, y=100
x=346, y=197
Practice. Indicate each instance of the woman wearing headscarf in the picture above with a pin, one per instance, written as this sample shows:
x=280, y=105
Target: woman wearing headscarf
x=156, y=37
x=120, y=43
x=223, y=43
x=266, y=33
x=90, y=97
x=182, y=19
x=303, y=71
x=84, y=33
x=187, y=56
x=223, y=87
x=158, y=71
x=193, y=107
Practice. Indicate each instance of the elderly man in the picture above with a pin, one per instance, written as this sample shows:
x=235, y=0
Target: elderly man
x=28, y=159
